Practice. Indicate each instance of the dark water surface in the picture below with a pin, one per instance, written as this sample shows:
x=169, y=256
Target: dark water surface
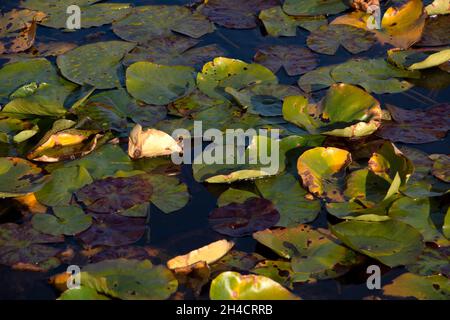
x=188, y=229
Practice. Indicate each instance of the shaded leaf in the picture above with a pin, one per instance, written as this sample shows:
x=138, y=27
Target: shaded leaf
x=419, y=287
x=65, y=221
x=314, y=7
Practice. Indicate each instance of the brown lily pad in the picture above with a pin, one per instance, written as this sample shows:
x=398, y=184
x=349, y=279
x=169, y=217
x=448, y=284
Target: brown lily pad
x=294, y=59
x=416, y=125
x=112, y=195
x=113, y=230
x=238, y=220
x=236, y=14
x=436, y=31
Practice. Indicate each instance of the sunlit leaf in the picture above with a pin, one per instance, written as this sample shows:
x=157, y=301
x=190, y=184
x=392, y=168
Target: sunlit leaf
x=66, y=220
x=422, y=288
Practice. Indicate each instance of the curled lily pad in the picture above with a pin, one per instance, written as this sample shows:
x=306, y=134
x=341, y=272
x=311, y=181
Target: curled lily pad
x=224, y=72
x=391, y=242
x=235, y=14
x=66, y=220
x=420, y=287
x=239, y=220
x=113, y=230
x=158, y=84
x=314, y=7
x=234, y=286
x=441, y=167
x=82, y=293
x=19, y=177
x=18, y=30
x=59, y=189
x=418, y=59
x=438, y=7
x=15, y=130
x=95, y=64
x=361, y=117
x=130, y=279
x=294, y=59
x=112, y=195
x=278, y=23
x=313, y=252
x=151, y=143
x=21, y=244
x=322, y=171
x=149, y=22
x=327, y=39
x=416, y=125
x=289, y=199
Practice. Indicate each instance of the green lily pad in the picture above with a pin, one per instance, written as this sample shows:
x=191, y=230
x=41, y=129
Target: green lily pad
x=130, y=279
x=289, y=199
x=314, y=7
x=313, y=252
x=224, y=72
x=327, y=39
x=317, y=79
x=234, y=286
x=234, y=196
x=416, y=125
x=193, y=103
x=82, y=293
x=92, y=15
x=441, y=167
x=446, y=226
x=19, y=177
x=169, y=194
x=235, y=14
x=65, y=221
x=281, y=272
x=431, y=262
x=391, y=242
x=15, y=130
x=323, y=170
x=62, y=184
x=418, y=59
x=278, y=23
x=422, y=288
x=294, y=59
x=158, y=84
x=361, y=117
x=21, y=244
x=157, y=21
x=95, y=64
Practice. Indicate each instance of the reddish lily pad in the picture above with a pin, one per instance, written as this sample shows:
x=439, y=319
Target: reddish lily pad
x=294, y=59
x=239, y=220
x=112, y=195
x=113, y=230
x=416, y=125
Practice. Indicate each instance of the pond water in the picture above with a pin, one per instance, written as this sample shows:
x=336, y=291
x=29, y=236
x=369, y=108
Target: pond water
x=187, y=229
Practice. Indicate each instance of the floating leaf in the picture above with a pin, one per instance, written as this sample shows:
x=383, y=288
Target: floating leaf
x=294, y=59
x=209, y=254
x=130, y=279
x=169, y=194
x=314, y=7
x=391, y=242
x=322, y=171
x=235, y=14
x=438, y=7
x=234, y=196
x=281, y=272
x=19, y=177
x=436, y=31
x=234, y=286
x=238, y=220
x=419, y=287
x=15, y=130
x=158, y=84
x=418, y=59
x=193, y=103
x=95, y=64
x=431, y=262
x=289, y=199
x=446, y=226
x=66, y=221
x=317, y=79
x=223, y=72
x=416, y=125
x=327, y=39
x=441, y=167
x=149, y=22
x=82, y=293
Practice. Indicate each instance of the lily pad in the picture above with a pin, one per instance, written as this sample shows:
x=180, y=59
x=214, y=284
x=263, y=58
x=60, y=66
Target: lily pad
x=431, y=262
x=416, y=125
x=314, y=7
x=281, y=272
x=441, y=167
x=95, y=64
x=224, y=72
x=289, y=199
x=235, y=14
x=169, y=194
x=234, y=196
x=130, y=279
x=234, y=286
x=15, y=130
x=193, y=103
x=323, y=170
x=239, y=220
x=436, y=31
x=391, y=242
x=19, y=177
x=294, y=59
x=422, y=288
x=418, y=59
x=158, y=84
x=82, y=293
x=438, y=7
x=317, y=79
x=157, y=21
x=327, y=39
x=113, y=230
x=65, y=221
